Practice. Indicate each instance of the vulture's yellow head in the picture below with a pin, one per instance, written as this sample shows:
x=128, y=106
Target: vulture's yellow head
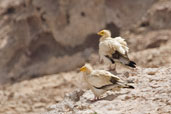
x=86, y=68
x=105, y=33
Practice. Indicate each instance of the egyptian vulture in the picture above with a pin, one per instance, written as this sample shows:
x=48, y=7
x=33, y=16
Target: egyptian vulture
x=100, y=81
x=114, y=50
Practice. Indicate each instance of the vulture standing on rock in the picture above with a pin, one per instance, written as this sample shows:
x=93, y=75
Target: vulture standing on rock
x=114, y=50
x=100, y=81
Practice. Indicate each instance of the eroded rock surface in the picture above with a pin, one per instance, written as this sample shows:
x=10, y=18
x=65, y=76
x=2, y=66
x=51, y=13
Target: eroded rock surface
x=151, y=95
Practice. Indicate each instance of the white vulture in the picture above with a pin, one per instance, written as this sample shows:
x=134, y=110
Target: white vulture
x=114, y=50
x=100, y=81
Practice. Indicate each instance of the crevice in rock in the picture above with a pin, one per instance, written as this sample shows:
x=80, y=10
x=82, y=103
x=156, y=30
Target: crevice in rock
x=145, y=24
x=67, y=17
x=83, y=14
x=9, y=11
x=38, y=8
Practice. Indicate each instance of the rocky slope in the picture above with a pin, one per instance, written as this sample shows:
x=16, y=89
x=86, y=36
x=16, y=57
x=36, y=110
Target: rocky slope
x=35, y=96
x=40, y=37
x=153, y=89
x=150, y=96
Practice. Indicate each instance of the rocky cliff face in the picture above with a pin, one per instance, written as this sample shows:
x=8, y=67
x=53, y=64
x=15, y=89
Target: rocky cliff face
x=42, y=37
